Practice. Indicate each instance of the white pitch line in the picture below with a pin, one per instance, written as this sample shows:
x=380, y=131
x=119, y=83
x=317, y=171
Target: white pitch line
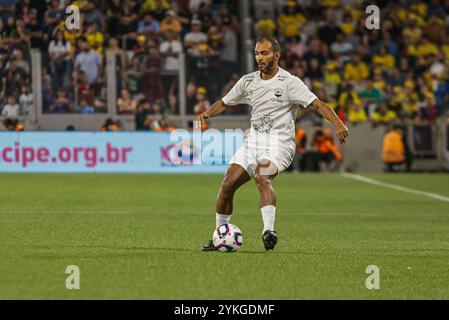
x=393, y=186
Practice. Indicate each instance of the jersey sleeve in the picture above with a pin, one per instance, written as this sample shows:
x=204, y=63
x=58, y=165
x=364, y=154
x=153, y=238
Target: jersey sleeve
x=299, y=93
x=236, y=95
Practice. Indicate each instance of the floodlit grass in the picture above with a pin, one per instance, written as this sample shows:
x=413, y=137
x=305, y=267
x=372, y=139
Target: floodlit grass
x=139, y=237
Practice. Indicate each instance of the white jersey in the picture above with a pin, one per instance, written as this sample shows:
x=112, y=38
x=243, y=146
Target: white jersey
x=274, y=102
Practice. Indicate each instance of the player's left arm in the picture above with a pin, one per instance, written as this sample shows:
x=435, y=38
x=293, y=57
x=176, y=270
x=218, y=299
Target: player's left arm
x=328, y=113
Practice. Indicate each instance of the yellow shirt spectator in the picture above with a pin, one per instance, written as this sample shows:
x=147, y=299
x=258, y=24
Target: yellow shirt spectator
x=386, y=61
x=386, y=117
x=347, y=27
x=356, y=115
x=412, y=50
x=420, y=8
x=345, y=95
x=331, y=3
x=265, y=26
x=290, y=24
x=96, y=41
x=412, y=33
x=332, y=77
x=151, y=5
x=426, y=48
x=356, y=72
x=445, y=49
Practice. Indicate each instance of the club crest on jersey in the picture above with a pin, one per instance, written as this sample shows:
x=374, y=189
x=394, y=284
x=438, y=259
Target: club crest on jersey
x=278, y=92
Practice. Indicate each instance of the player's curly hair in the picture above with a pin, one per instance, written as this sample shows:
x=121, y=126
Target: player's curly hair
x=274, y=43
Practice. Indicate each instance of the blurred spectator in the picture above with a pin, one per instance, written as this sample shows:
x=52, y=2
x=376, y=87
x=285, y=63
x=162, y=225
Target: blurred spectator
x=89, y=61
x=371, y=95
x=59, y=51
x=202, y=104
x=395, y=150
x=266, y=25
x=141, y=117
x=149, y=26
x=429, y=110
x=133, y=76
x=289, y=57
x=13, y=125
x=153, y=83
x=195, y=36
x=93, y=15
x=94, y=37
x=290, y=22
x=169, y=50
x=329, y=31
x=82, y=88
x=341, y=48
x=229, y=52
x=301, y=142
x=127, y=24
x=62, y=103
x=326, y=154
x=26, y=100
x=110, y=125
x=383, y=116
x=356, y=114
x=54, y=14
x=36, y=32
x=355, y=69
x=20, y=62
x=156, y=7
x=120, y=61
x=125, y=105
x=383, y=59
x=11, y=109
x=347, y=94
x=170, y=23
x=84, y=107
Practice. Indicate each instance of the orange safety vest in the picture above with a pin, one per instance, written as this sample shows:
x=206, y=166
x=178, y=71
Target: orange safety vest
x=326, y=145
x=299, y=136
x=393, y=148
x=167, y=129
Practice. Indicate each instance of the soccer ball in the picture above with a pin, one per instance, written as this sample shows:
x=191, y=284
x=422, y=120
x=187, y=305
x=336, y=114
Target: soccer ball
x=227, y=238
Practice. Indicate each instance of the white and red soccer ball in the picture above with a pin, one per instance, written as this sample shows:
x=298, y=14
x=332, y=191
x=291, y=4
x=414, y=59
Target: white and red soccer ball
x=227, y=238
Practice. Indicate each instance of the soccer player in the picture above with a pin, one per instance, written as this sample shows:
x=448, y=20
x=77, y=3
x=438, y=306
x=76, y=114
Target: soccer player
x=269, y=148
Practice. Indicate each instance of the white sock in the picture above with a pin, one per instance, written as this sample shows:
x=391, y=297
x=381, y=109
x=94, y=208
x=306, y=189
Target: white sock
x=222, y=219
x=268, y=217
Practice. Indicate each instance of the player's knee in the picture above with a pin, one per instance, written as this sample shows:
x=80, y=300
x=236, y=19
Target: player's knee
x=227, y=187
x=262, y=181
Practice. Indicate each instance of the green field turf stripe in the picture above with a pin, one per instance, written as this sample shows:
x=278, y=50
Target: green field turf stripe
x=395, y=187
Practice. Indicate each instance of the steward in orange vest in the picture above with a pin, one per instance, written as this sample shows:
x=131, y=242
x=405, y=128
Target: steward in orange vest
x=395, y=150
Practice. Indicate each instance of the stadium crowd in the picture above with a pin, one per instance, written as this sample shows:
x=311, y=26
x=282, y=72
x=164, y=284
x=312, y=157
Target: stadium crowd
x=396, y=72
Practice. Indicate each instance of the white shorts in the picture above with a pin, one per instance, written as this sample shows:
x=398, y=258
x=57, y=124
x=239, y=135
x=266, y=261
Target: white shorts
x=256, y=148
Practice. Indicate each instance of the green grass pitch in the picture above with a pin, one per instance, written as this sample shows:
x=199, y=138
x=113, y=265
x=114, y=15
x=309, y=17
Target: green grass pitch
x=138, y=236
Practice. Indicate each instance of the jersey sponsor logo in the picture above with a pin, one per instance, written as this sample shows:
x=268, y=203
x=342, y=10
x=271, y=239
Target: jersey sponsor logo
x=278, y=92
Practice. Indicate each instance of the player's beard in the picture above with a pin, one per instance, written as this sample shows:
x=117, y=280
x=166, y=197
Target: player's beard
x=268, y=67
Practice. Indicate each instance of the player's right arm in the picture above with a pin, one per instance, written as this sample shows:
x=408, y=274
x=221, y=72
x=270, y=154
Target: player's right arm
x=234, y=97
x=214, y=110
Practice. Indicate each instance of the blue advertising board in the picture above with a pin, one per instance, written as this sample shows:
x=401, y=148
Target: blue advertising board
x=181, y=151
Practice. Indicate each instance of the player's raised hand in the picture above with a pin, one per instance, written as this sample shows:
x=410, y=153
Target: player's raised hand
x=342, y=133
